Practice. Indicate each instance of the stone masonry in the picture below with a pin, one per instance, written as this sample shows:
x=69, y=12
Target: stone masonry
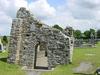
x=27, y=32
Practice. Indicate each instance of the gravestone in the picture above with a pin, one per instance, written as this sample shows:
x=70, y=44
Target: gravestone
x=85, y=68
x=92, y=40
x=1, y=46
x=78, y=42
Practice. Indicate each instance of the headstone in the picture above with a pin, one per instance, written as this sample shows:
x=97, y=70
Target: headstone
x=84, y=68
x=92, y=41
x=97, y=72
x=1, y=46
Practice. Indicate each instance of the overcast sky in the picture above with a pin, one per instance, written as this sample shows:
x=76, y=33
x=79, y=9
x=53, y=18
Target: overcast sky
x=80, y=14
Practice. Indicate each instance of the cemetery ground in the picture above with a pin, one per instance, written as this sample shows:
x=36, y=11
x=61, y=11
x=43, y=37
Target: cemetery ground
x=8, y=69
x=80, y=55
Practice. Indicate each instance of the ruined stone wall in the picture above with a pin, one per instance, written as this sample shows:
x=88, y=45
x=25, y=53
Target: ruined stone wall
x=20, y=47
x=27, y=33
x=57, y=47
x=69, y=32
x=15, y=35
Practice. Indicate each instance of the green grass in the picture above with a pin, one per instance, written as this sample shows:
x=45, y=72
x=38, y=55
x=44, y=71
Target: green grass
x=80, y=55
x=8, y=69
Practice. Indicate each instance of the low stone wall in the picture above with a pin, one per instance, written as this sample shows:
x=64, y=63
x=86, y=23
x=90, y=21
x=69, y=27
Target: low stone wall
x=84, y=43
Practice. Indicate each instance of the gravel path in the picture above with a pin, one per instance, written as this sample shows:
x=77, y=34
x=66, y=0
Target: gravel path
x=33, y=72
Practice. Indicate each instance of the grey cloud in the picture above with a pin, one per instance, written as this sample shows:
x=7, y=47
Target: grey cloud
x=84, y=9
x=88, y=4
x=82, y=13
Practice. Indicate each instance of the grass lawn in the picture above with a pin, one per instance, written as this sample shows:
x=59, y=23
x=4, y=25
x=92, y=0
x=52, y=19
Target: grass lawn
x=80, y=55
x=8, y=69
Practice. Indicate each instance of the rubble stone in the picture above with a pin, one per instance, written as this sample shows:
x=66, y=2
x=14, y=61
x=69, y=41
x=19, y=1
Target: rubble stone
x=27, y=33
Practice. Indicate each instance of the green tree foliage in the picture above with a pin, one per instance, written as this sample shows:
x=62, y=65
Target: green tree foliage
x=5, y=40
x=77, y=34
x=57, y=27
x=98, y=33
x=92, y=31
x=87, y=34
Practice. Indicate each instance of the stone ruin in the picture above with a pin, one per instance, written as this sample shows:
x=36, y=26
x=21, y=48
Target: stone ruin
x=69, y=32
x=35, y=45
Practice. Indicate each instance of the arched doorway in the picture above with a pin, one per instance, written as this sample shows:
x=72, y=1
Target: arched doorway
x=41, y=60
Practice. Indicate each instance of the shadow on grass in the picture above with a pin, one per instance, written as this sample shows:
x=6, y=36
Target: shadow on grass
x=3, y=59
x=82, y=74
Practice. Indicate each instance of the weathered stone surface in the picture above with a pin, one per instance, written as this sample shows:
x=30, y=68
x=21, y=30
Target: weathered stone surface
x=27, y=33
x=85, y=68
x=1, y=46
x=84, y=42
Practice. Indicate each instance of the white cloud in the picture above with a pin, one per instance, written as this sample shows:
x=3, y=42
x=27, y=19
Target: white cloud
x=5, y=23
x=8, y=9
x=4, y=19
x=84, y=9
x=1, y=30
x=80, y=14
x=42, y=9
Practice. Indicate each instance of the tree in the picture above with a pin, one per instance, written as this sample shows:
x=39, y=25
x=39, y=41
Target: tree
x=98, y=33
x=5, y=40
x=92, y=31
x=77, y=34
x=87, y=34
x=57, y=27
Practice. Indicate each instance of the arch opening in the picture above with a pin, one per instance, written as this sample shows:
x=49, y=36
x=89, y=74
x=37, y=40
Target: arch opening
x=41, y=59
